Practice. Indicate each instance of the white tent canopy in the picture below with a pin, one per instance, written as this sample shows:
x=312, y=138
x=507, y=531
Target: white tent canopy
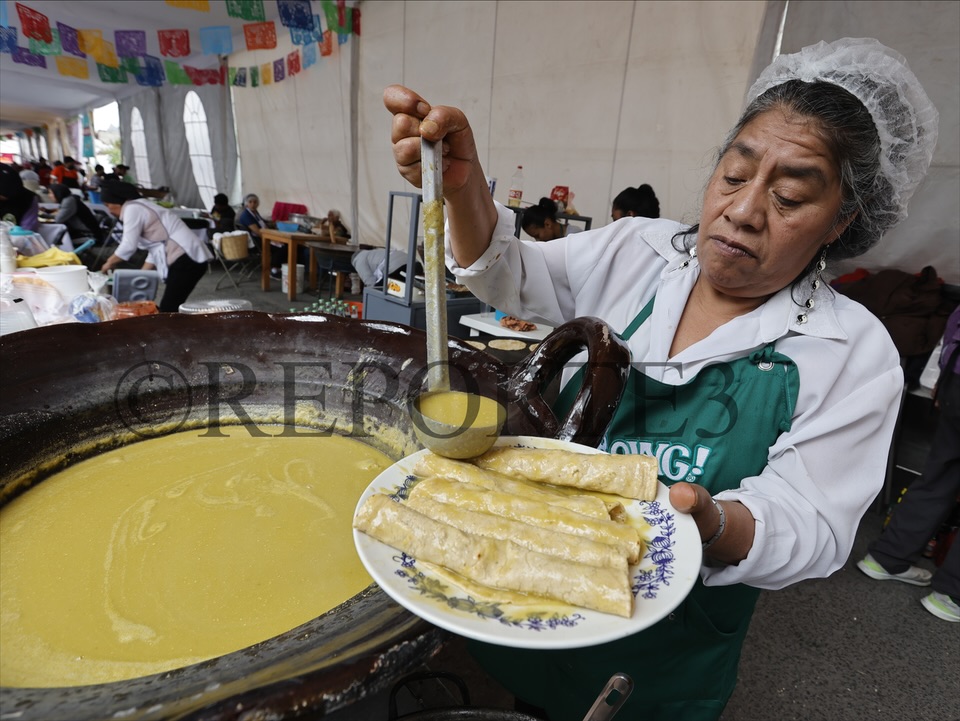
x=31, y=94
x=596, y=96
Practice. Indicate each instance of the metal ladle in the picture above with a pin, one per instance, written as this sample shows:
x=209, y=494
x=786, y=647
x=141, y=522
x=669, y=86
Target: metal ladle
x=463, y=439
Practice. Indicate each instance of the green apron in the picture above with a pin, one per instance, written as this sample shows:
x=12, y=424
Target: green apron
x=715, y=430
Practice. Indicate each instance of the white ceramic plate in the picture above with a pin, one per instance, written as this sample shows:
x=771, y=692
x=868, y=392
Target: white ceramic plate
x=661, y=580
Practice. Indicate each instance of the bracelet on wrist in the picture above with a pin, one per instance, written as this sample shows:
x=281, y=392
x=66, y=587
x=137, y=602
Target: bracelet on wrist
x=720, y=529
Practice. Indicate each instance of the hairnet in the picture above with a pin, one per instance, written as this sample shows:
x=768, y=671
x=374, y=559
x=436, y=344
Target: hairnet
x=905, y=118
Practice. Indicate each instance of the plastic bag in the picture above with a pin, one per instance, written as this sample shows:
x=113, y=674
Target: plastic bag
x=93, y=308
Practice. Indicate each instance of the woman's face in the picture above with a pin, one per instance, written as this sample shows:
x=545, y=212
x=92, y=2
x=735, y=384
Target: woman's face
x=550, y=230
x=253, y=202
x=114, y=209
x=769, y=206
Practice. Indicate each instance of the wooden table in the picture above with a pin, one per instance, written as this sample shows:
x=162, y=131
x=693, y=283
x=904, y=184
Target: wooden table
x=317, y=248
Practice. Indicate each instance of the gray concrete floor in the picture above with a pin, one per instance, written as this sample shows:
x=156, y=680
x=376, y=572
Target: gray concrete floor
x=271, y=301
x=844, y=648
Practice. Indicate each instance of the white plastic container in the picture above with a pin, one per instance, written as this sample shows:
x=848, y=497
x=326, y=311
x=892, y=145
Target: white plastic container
x=8, y=254
x=516, y=188
x=285, y=278
x=70, y=280
x=15, y=316
x=201, y=307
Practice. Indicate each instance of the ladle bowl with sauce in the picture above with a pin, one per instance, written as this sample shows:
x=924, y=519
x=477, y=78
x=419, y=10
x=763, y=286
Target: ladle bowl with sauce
x=455, y=424
x=74, y=391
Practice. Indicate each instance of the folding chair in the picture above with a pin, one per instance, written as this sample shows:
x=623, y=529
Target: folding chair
x=113, y=233
x=233, y=252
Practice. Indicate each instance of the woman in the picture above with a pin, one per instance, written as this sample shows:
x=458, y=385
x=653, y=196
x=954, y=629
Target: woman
x=785, y=392
x=251, y=221
x=18, y=205
x=31, y=181
x=333, y=228
x=74, y=213
x=540, y=221
x=172, y=248
x=67, y=173
x=636, y=202
x=223, y=214
x=93, y=183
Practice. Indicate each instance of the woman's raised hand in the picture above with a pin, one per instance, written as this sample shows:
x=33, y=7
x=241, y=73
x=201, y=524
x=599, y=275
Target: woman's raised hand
x=413, y=118
x=471, y=213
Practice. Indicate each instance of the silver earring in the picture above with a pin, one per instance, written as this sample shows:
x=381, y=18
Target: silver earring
x=814, y=284
x=692, y=253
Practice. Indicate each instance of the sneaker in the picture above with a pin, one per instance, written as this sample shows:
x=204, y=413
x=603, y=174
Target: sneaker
x=914, y=575
x=275, y=273
x=941, y=606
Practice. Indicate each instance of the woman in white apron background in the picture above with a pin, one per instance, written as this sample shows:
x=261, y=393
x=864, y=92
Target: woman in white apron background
x=780, y=395
x=178, y=254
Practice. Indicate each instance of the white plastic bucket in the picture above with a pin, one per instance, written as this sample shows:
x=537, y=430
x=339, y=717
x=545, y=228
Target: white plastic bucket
x=69, y=280
x=285, y=278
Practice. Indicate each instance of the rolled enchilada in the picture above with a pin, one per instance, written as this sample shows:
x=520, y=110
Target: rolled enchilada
x=493, y=562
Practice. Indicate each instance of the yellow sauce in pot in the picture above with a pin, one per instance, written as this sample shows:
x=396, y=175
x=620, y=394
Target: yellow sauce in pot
x=175, y=550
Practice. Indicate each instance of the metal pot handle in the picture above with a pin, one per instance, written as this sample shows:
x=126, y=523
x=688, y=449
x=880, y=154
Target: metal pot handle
x=605, y=376
x=423, y=676
x=607, y=703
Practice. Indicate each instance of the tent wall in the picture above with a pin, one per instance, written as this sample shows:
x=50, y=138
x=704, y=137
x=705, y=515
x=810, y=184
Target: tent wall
x=591, y=95
x=295, y=135
x=579, y=93
x=167, y=150
x=927, y=34
x=595, y=95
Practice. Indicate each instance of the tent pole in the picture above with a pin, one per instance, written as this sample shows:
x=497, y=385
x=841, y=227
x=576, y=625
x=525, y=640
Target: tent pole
x=354, y=132
x=224, y=105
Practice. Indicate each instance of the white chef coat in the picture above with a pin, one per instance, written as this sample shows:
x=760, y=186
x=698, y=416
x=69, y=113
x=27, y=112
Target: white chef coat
x=141, y=230
x=822, y=474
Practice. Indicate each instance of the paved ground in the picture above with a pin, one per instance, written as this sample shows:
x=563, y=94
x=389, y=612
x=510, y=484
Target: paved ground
x=845, y=648
x=271, y=301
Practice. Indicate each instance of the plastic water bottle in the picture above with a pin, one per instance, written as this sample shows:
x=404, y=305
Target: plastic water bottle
x=8, y=254
x=516, y=188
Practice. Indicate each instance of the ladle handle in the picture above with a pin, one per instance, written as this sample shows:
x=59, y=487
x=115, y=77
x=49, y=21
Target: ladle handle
x=434, y=269
x=612, y=697
x=604, y=379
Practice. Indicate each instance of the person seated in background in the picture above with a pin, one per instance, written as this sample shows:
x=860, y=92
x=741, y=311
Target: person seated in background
x=251, y=221
x=93, y=183
x=333, y=229
x=122, y=173
x=18, y=205
x=74, y=213
x=638, y=202
x=67, y=173
x=223, y=214
x=43, y=170
x=540, y=222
